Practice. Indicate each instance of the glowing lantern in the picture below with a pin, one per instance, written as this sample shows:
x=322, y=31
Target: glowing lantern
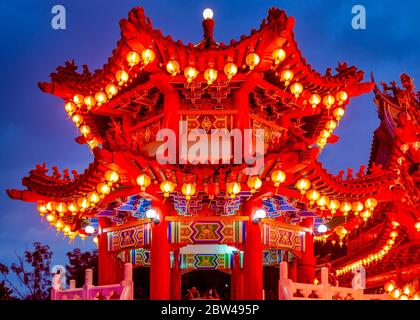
x=51, y=206
x=143, y=181
x=85, y=130
x=61, y=208
x=325, y=134
x=173, y=67
x=122, y=77
x=210, y=75
x=328, y=101
x=93, y=197
x=341, y=231
x=101, y=98
x=42, y=209
x=371, y=203
x=188, y=190
x=338, y=113
x=111, y=177
x=148, y=56
x=70, y=107
x=366, y=215
x=303, y=185
x=417, y=226
x=111, y=90
x=333, y=206
x=83, y=204
x=133, y=58
x=321, y=142
x=78, y=99
x=58, y=225
x=390, y=242
x=254, y=183
x=252, y=60
x=66, y=229
x=50, y=218
x=322, y=202
x=190, y=73
x=167, y=187
x=278, y=177
x=393, y=234
x=233, y=188
x=396, y=293
x=103, y=189
x=395, y=224
x=296, y=89
x=93, y=143
x=357, y=207
x=345, y=208
x=331, y=125
x=230, y=70
x=315, y=100
x=286, y=76
x=404, y=148
x=341, y=97
x=73, y=208
x=77, y=119
x=90, y=102
x=312, y=195
x=279, y=55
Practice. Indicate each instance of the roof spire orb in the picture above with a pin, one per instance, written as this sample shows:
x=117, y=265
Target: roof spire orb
x=208, y=14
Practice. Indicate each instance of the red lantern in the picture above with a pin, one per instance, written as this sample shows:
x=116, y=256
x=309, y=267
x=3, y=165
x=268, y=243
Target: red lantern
x=212, y=189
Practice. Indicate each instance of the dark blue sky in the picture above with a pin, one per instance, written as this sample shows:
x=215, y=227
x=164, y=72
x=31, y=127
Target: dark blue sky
x=34, y=126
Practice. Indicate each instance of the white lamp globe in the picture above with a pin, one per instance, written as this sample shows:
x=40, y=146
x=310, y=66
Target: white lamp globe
x=151, y=214
x=322, y=228
x=260, y=214
x=89, y=229
x=208, y=14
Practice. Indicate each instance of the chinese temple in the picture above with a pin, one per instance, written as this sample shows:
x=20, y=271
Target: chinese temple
x=194, y=214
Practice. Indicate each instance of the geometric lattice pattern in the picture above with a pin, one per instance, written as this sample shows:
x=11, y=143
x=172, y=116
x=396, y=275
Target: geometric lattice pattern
x=206, y=232
x=278, y=237
x=129, y=238
x=206, y=261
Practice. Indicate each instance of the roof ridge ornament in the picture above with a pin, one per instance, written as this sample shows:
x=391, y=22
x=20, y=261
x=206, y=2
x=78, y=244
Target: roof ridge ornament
x=208, y=29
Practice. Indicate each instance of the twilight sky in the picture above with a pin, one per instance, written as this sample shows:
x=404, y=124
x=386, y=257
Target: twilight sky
x=35, y=128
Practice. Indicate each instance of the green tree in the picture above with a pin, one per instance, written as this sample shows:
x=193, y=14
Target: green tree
x=80, y=261
x=32, y=272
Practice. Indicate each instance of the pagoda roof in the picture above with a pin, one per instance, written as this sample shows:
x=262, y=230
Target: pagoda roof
x=137, y=33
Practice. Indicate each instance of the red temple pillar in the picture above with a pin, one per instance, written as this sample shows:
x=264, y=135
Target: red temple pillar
x=176, y=277
x=306, y=265
x=160, y=266
x=107, y=262
x=236, y=278
x=253, y=259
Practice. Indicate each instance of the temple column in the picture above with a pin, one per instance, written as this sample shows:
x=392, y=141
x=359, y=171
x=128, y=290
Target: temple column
x=176, y=277
x=253, y=259
x=306, y=265
x=160, y=266
x=236, y=285
x=107, y=263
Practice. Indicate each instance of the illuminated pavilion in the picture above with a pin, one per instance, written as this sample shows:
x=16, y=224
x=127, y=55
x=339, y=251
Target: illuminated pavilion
x=182, y=217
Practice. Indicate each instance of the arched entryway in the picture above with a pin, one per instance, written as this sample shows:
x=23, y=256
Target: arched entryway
x=204, y=280
x=141, y=278
x=271, y=282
